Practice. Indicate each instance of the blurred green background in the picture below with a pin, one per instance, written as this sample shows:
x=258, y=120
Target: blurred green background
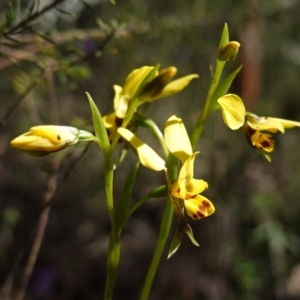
x=250, y=247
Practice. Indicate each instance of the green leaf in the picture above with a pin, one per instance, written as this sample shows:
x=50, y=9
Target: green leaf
x=99, y=127
x=188, y=230
x=120, y=157
x=86, y=136
x=220, y=64
x=175, y=244
x=225, y=36
x=158, y=192
x=122, y=209
x=222, y=89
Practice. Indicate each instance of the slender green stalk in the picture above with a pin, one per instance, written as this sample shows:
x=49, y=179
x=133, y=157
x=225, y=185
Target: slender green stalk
x=113, y=259
x=204, y=113
x=160, y=245
x=164, y=232
x=113, y=254
x=215, y=81
x=149, y=123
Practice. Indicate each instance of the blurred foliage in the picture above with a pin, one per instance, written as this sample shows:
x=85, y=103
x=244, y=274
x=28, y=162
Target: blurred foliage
x=249, y=249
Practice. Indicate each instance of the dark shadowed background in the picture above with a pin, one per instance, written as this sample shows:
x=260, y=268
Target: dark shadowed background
x=249, y=248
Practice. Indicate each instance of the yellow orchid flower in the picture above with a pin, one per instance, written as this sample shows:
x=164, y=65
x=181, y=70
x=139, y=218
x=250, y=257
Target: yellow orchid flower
x=44, y=139
x=186, y=188
x=146, y=84
x=257, y=129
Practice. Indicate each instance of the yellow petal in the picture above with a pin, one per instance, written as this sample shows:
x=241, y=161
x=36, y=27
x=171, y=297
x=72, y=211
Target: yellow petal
x=112, y=123
x=46, y=138
x=120, y=102
x=110, y=120
x=177, y=85
x=177, y=139
x=196, y=186
x=199, y=207
x=187, y=170
x=148, y=157
x=286, y=123
x=264, y=123
x=233, y=111
x=134, y=79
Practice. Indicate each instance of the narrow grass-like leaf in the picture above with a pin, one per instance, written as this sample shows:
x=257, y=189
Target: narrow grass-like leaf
x=121, y=157
x=220, y=64
x=99, y=127
x=122, y=209
x=222, y=89
x=175, y=244
x=158, y=192
x=188, y=230
x=225, y=36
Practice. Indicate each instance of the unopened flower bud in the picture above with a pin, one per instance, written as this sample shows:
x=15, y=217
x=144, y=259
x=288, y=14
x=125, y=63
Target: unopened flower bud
x=228, y=51
x=157, y=84
x=42, y=140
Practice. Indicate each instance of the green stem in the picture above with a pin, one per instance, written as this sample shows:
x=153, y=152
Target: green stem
x=113, y=254
x=161, y=241
x=164, y=231
x=150, y=124
x=113, y=259
x=204, y=113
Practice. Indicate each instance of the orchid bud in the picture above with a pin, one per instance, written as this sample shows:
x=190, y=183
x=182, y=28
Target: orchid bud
x=228, y=51
x=44, y=139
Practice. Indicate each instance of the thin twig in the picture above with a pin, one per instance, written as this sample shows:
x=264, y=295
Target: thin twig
x=9, y=281
x=48, y=197
x=30, y=18
x=54, y=109
x=41, y=227
x=18, y=101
